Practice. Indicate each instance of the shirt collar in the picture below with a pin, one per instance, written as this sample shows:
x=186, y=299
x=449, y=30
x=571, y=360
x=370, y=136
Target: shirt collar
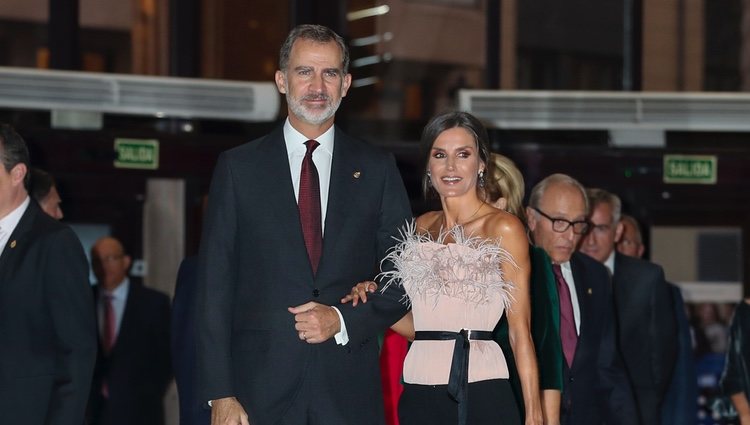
x=610, y=262
x=566, y=266
x=295, y=141
x=120, y=292
x=10, y=221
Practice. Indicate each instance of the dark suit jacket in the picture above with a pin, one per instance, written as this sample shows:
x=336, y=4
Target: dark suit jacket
x=47, y=331
x=680, y=405
x=647, y=331
x=253, y=266
x=138, y=368
x=595, y=387
x=184, y=345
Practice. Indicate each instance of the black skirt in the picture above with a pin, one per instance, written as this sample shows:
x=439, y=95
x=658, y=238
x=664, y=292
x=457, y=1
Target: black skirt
x=490, y=402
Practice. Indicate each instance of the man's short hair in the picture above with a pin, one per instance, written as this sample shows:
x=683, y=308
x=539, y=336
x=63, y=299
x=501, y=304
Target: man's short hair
x=318, y=34
x=537, y=192
x=41, y=184
x=637, y=226
x=13, y=151
x=600, y=196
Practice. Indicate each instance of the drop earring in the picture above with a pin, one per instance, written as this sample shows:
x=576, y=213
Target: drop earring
x=481, y=178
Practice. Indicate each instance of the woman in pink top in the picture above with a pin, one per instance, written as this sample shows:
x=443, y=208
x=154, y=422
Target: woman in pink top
x=462, y=268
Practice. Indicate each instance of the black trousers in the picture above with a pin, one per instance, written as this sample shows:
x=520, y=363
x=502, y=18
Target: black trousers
x=490, y=403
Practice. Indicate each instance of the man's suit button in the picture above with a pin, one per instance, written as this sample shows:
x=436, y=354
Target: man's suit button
x=571, y=379
x=316, y=293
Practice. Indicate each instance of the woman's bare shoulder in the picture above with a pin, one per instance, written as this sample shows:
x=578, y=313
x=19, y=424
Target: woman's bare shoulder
x=502, y=224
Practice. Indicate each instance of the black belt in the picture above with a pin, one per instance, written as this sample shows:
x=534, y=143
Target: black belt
x=459, y=374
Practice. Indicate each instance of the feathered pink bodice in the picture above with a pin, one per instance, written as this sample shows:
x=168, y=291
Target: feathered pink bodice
x=451, y=286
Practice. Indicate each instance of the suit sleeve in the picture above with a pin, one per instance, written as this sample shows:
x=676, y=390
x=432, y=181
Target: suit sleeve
x=71, y=307
x=162, y=360
x=545, y=322
x=621, y=407
x=383, y=308
x=215, y=287
x=663, y=331
x=734, y=375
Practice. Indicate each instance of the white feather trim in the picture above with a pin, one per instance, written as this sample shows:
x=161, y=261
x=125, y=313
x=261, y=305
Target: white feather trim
x=427, y=268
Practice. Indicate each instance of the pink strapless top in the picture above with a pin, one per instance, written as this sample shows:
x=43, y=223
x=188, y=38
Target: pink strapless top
x=453, y=286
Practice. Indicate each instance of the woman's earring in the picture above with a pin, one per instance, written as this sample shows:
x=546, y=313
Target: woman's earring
x=481, y=178
x=429, y=179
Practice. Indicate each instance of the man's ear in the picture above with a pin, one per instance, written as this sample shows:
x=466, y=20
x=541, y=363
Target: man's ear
x=619, y=229
x=531, y=218
x=18, y=173
x=280, y=79
x=128, y=260
x=345, y=84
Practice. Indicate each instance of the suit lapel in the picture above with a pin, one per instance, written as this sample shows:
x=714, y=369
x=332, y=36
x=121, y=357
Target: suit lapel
x=582, y=291
x=19, y=238
x=340, y=190
x=274, y=168
x=123, y=335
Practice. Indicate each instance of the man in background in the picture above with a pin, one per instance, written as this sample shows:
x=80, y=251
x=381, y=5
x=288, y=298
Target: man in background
x=679, y=406
x=47, y=330
x=133, y=366
x=595, y=386
x=44, y=191
x=646, y=325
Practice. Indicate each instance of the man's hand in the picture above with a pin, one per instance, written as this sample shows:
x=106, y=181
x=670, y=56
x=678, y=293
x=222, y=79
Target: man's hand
x=315, y=323
x=228, y=411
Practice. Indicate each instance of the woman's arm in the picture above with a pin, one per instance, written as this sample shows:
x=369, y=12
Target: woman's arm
x=742, y=406
x=551, y=406
x=519, y=314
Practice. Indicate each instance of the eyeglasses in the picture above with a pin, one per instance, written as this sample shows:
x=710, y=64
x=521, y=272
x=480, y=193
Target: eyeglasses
x=561, y=225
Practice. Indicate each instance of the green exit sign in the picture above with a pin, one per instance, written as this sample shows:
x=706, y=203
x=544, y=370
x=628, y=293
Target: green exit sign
x=137, y=153
x=694, y=169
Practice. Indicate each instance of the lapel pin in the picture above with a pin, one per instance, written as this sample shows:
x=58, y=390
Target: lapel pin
x=356, y=174
x=588, y=291
x=13, y=244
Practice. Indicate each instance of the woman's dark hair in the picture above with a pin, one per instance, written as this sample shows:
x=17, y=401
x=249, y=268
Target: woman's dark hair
x=470, y=123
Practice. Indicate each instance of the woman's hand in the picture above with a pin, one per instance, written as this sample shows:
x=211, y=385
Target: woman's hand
x=359, y=292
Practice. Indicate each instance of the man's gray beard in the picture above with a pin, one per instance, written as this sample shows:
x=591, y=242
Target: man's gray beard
x=306, y=115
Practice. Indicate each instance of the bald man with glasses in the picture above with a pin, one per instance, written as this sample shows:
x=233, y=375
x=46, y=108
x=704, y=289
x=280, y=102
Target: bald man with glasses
x=595, y=386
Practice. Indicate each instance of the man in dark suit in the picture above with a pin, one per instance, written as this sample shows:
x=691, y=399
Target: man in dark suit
x=133, y=366
x=680, y=400
x=294, y=220
x=184, y=344
x=47, y=331
x=595, y=387
x=646, y=325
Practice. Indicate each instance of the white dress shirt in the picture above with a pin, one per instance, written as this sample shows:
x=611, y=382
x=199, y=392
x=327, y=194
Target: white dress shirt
x=9, y=222
x=119, y=299
x=567, y=273
x=610, y=263
x=322, y=157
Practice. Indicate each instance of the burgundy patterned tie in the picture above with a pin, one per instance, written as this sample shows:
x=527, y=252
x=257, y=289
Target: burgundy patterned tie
x=108, y=330
x=309, y=206
x=568, y=333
